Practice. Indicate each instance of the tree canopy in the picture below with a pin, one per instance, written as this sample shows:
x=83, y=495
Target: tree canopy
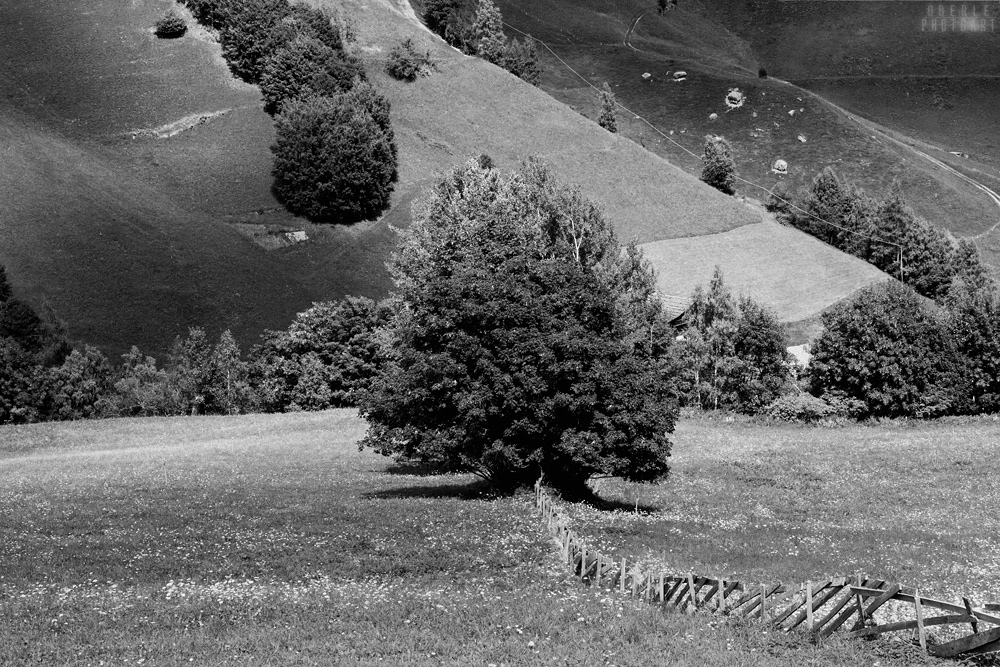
x=886, y=355
x=527, y=339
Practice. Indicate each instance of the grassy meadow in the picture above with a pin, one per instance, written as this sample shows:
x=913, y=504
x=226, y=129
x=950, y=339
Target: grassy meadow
x=910, y=503
x=270, y=539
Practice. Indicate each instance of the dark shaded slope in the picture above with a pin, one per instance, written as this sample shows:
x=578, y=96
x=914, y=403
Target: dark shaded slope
x=120, y=262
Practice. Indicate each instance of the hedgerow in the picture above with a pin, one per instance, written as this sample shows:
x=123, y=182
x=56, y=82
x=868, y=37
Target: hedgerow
x=335, y=153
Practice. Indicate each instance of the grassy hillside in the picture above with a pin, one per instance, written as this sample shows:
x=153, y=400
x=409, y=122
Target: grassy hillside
x=757, y=260
x=129, y=235
x=646, y=197
x=263, y=540
x=721, y=45
x=138, y=202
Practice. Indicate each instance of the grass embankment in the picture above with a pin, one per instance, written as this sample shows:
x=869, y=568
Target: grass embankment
x=272, y=540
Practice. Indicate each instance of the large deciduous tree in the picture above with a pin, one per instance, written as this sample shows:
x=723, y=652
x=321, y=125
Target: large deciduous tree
x=733, y=354
x=527, y=339
x=886, y=354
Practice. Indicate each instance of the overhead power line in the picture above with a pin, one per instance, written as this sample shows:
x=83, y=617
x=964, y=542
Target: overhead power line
x=684, y=148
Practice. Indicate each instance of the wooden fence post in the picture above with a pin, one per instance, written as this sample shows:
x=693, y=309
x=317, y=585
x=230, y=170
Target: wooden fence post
x=763, y=601
x=921, y=635
x=621, y=579
x=861, y=605
x=597, y=577
x=691, y=593
x=722, y=595
x=660, y=587
x=968, y=608
x=583, y=561
x=809, y=606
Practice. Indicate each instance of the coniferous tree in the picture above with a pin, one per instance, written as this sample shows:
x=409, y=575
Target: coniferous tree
x=521, y=60
x=719, y=168
x=305, y=67
x=608, y=118
x=487, y=33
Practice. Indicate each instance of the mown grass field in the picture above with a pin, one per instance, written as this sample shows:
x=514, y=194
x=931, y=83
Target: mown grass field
x=913, y=503
x=266, y=540
x=758, y=260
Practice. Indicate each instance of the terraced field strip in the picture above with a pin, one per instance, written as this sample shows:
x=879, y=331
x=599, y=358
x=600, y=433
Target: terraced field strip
x=817, y=607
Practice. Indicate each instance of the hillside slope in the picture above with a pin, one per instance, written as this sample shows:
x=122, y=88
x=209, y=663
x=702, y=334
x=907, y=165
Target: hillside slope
x=721, y=45
x=471, y=107
x=132, y=232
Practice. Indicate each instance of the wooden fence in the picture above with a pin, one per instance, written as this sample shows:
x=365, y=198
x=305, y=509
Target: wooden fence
x=817, y=607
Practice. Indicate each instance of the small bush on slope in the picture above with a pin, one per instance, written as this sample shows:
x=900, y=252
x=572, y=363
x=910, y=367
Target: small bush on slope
x=404, y=62
x=172, y=25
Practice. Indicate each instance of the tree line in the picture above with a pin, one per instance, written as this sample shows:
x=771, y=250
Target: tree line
x=476, y=28
x=883, y=232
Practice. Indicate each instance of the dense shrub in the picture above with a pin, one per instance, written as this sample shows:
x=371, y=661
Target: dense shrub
x=247, y=35
x=520, y=58
x=719, y=168
x=326, y=358
x=404, y=62
x=800, y=407
x=527, y=341
x=20, y=391
x=974, y=325
x=75, y=389
x=333, y=162
x=884, y=349
x=171, y=25
x=306, y=67
x=141, y=389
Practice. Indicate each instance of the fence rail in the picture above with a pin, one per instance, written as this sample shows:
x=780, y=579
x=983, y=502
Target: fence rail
x=817, y=607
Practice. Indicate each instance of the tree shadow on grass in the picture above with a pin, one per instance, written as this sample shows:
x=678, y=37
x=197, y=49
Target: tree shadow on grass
x=589, y=497
x=475, y=490
x=413, y=468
